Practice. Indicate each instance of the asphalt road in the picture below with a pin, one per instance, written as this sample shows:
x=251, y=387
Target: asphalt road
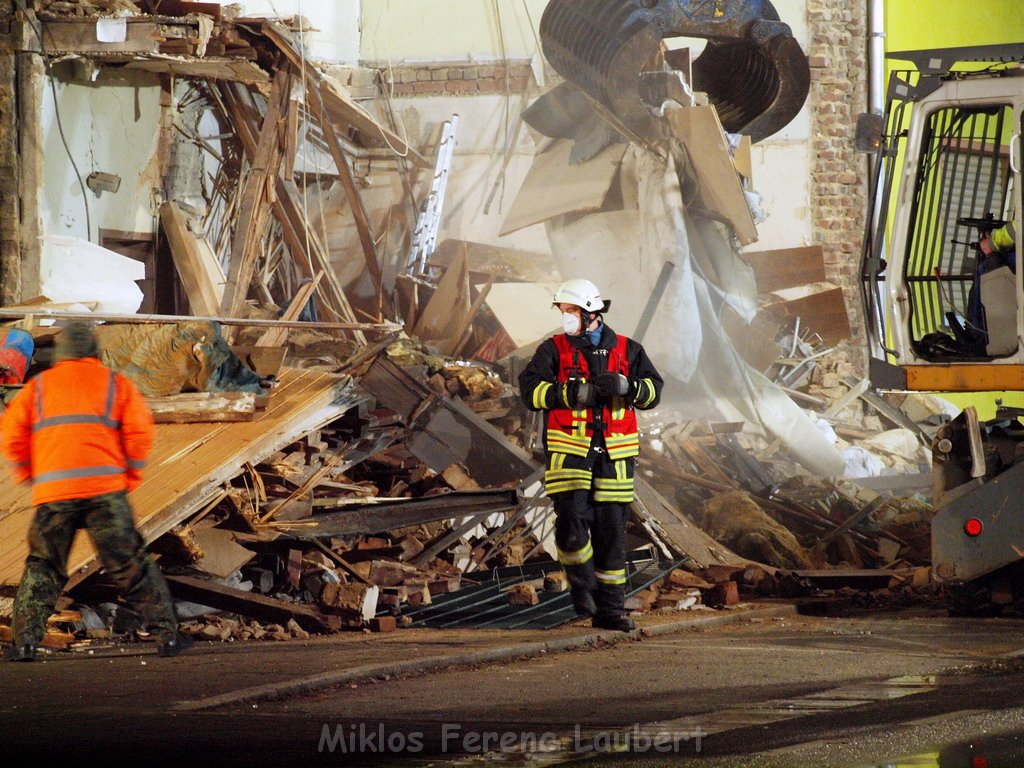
x=772, y=692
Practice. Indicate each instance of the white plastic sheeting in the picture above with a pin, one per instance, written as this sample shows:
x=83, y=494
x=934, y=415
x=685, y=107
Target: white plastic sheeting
x=623, y=252
x=76, y=270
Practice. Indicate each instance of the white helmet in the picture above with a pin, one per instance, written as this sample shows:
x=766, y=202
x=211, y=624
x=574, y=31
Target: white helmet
x=581, y=293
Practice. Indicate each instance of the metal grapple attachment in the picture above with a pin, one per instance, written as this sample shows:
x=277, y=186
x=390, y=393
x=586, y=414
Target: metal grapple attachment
x=752, y=69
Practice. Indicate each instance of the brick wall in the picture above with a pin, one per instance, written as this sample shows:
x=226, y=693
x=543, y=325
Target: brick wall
x=839, y=189
x=455, y=79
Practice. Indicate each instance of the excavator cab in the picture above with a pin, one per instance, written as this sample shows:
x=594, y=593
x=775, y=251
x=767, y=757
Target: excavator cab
x=942, y=315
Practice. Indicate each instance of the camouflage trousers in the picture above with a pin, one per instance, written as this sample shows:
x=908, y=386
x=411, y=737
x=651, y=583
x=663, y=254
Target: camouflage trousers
x=109, y=523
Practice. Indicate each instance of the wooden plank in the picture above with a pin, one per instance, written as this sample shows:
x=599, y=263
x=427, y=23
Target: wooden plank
x=31, y=77
x=440, y=319
x=203, y=293
x=820, y=306
x=235, y=70
x=259, y=607
x=685, y=537
x=309, y=249
x=192, y=407
x=553, y=186
x=755, y=342
x=233, y=321
x=275, y=337
x=266, y=361
x=254, y=208
x=79, y=36
x=718, y=185
x=10, y=252
x=707, y=466
x=291, y=137
x=786, y=267
x=465, y=327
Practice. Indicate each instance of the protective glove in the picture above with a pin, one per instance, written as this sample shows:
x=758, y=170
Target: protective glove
x=611, y=384
x=579, y=394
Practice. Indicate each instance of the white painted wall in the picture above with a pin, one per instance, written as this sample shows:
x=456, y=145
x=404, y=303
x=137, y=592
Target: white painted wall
x=110, y=127
x=782, y=163
x=449, y=30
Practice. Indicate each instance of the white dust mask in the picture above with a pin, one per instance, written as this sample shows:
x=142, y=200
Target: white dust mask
x=570, y=323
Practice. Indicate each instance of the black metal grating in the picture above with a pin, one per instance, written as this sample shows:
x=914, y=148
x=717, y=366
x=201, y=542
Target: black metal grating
x=963, y=171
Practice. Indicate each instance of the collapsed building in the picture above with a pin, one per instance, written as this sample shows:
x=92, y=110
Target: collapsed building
x=339, y=441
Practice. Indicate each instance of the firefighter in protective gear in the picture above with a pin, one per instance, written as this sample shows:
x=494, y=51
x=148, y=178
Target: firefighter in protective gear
x=80, y=434
x=590, y=381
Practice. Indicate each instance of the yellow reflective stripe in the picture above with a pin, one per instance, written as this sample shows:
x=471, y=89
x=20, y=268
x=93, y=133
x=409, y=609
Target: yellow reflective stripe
x=579, y=557
x=645, y=393
x=616, y=439
x=605, y=482
x=558, y=479
x=568, y=438
x=611, y=577
x=624, y=453
x=565, y=486
x=540, y=395
x=622, y=446
x=579, y=427
x=620, y=471
x=554, y=476
x=560, y=442
x=563, y=472
x=617, y=497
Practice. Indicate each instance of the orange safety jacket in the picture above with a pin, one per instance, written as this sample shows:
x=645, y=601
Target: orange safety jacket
x=571, y=431
x=76, y=431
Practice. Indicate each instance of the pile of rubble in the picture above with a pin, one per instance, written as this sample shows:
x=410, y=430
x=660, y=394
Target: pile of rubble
x=323, y=475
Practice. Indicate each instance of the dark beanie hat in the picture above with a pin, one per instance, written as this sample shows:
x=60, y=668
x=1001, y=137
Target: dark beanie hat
x=76, y=341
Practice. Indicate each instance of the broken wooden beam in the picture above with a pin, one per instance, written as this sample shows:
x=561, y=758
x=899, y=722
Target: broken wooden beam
x=202, y=280
x=255, y=202
x=248, y=604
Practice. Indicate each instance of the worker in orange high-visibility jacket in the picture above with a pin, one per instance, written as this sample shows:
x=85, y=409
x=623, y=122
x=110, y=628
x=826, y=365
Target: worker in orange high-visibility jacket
x=80, y=434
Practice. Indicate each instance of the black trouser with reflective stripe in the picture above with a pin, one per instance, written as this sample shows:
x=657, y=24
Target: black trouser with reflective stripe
x=591, y=540
x=109, y=522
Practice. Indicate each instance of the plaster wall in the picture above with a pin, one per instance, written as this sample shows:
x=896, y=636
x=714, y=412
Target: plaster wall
x=449, y=30
x=110, y=126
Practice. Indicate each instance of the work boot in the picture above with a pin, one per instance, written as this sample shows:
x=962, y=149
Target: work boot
x=583, y=603
x=174, y=645
x=22, y=652
x=617, y=623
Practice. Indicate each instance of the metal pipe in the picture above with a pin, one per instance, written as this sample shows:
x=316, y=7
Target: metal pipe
x=876, y=56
